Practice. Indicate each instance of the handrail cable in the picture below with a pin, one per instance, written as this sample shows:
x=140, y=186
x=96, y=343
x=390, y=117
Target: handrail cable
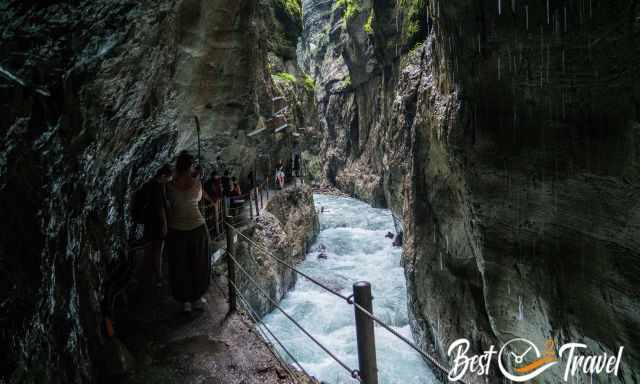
x=333, y=292
x=254, y=315
x=267, y=342
x=407, y=341
x=353, y=372
x=349, y=300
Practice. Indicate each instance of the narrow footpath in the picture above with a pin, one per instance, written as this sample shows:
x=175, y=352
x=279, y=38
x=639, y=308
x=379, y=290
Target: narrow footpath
x=204, y=347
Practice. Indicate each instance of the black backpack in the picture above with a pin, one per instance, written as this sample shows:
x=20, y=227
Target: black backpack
x=141, y=204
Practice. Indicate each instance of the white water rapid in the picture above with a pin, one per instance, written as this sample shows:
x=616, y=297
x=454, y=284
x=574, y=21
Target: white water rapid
x=352, y=235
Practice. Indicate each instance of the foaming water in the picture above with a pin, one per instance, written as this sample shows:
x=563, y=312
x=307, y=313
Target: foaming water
x=352, y=237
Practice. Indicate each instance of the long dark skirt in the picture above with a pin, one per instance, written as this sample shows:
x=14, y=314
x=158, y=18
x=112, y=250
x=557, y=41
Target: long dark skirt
x=189, y=263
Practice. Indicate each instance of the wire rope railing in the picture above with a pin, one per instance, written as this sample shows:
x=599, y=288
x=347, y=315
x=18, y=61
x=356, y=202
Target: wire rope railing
x=353, y=372
x=238, y=207
x=255, y=317
x=282, y=262
x=360, y=307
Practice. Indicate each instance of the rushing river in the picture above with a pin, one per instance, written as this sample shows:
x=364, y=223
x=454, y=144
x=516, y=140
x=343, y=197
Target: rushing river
x=352, y=236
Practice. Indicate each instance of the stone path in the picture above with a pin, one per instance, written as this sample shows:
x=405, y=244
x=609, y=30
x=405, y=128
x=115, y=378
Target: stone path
x=204, y=347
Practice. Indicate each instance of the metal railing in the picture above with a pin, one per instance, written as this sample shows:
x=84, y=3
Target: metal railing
x=236, y=208
x=361, y=299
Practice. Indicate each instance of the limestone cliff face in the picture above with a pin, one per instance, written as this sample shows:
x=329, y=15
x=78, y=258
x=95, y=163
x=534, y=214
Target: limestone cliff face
x=96, y=96
x=365, y=117
x=287, y=227
x=509, y=140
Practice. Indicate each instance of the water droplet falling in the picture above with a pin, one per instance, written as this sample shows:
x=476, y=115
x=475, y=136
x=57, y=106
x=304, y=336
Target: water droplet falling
x=548, y=60
x=446, y=241
x=565, y=19
x=435, y=339
x=498, y=67
x=520, y=309
x=513, y=5
x=499, y=7
x=441, y=262
x=548, y=20
x=526, y=12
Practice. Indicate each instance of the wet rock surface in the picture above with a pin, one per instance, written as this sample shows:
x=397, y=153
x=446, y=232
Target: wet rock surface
x=95, y=97
x=508, y=139
x=510, y=149
x=285, y=229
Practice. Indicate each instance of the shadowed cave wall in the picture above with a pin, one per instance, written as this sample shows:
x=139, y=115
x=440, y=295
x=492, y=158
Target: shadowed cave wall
x=96, y=96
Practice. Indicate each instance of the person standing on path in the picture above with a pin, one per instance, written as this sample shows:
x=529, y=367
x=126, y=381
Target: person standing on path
x=155, y=223
x=188, y=237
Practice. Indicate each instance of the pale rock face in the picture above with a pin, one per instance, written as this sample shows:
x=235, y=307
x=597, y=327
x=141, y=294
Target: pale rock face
x=513, y=163
x=287, y=227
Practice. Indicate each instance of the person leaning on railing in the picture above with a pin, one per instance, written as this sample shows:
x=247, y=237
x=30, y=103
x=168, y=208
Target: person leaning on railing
x=188, y=238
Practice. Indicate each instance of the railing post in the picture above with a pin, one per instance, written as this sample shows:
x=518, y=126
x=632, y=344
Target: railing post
x=216, y=228
x=261, y=199
x=255, y=192
x=364, y=333
x=231, y=268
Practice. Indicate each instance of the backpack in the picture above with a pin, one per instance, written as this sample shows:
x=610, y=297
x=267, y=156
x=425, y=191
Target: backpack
x=141, y=204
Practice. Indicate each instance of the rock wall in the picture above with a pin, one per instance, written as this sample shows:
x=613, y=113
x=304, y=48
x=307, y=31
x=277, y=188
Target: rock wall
x=286, y=228
x=365, y=117
x=96, y=96
x=508, y=139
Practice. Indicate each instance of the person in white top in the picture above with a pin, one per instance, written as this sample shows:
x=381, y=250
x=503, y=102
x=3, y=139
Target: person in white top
x=188, y=237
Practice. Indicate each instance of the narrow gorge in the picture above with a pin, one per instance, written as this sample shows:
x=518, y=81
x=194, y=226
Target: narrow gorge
x=503, y=136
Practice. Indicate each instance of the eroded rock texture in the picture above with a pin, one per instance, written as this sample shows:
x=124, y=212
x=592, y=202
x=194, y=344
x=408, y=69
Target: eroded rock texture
x=509, y=139
x=286, y=228
x=96, y=96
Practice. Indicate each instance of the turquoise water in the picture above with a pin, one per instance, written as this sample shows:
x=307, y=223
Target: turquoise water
x=353, y=237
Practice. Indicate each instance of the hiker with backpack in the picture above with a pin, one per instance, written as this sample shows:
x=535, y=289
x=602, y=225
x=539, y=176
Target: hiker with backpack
x=150, y=208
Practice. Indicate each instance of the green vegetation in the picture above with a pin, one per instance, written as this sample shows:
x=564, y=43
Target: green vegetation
x=293, y=7
x=346, y=82
x=309, y=83
x=306, y=80
x=285, y=76
x=416, y=47
x=368, y=26
x=414, y=10
x=351, y=8
x=324, y=36
x=286, y=32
